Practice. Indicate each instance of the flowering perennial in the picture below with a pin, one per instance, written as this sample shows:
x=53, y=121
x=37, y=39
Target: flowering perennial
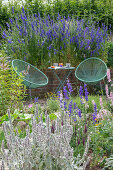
x=44, y=147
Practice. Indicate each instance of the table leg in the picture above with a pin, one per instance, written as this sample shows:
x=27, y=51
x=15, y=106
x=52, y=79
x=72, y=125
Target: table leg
x=63, y=80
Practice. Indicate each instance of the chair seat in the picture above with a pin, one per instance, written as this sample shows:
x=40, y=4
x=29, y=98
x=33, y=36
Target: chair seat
x=91, y=70
x=32, y=77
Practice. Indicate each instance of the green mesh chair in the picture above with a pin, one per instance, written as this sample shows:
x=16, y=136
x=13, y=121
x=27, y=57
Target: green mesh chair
x=32, y=77
x=91, y=71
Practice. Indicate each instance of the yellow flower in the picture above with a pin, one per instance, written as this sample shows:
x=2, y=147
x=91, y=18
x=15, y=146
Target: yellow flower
x=100, y=123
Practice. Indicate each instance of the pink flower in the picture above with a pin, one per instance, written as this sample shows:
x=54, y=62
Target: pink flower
x=101, y=103
x=111, y=97
x=107, y=91
x=93, y=102
x=30, y=105
x=108, y=75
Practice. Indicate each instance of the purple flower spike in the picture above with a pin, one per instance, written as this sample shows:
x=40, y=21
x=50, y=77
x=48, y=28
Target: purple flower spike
x=95, y=113
x=86, y=92
x=70, y=107
x=79, y=113
x=65, y=93
x=78, y=141
x=12, y=9
x=83, y=140
x=36, y=100
x=69, y=87
x=4, y=34
x=81, y=92
x=23, y=10
x=10, y=41
x=52, y=128
x=65, y=105
x=75, y=106
x=11, y=21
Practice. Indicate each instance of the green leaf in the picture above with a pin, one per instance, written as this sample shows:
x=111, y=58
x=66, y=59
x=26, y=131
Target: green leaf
x=52, y=116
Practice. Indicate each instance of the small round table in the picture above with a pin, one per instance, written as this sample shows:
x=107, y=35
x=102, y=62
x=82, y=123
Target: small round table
x=68, y=72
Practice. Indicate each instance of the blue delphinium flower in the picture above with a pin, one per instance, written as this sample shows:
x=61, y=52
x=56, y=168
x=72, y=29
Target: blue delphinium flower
x=86, y=92
x=36, y=100
x=4, y=34
x=81, y=94
x=13, y=49
x=69, y=87
x=79, y=113
x=95, y=113
x=8, y=25
x=65, y=93
x=12, y=9
x=70, y=107
x=75, y=105
x=10, y=41
x=19, y=40
x=65, y=105
x=11, y=21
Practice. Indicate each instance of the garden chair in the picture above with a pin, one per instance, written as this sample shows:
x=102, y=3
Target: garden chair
x=91, y=71
x=32, y=77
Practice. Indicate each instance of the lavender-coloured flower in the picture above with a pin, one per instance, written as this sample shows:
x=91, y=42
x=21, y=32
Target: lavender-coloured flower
x=19, y=40
x=10, y=41
x=69, y=87
x=12, y=9
x=4, y=34
x=23, y=9
x=65, y=105
x=65, y=93
x=95, y=112
x=86, y=92
x=70, y=107
x=75, y=105
x=81, y=92
x=36, y=100
x=13, y=49
x=11, y=21
x=79, y=113
x=8, y=25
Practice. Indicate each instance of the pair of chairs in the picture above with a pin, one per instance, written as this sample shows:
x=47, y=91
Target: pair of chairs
x=90, y=71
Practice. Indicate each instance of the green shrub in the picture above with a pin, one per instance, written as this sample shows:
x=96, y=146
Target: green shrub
x=110, y=55
x=12, y=90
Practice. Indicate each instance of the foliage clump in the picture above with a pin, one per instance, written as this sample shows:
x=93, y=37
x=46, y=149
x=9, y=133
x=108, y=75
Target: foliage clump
x=12, y=90
x=46, y=147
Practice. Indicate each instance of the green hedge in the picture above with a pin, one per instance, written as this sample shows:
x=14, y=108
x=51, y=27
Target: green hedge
x=101, y=10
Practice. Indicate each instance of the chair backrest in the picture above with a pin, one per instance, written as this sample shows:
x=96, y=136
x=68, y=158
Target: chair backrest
x=91, y=70
x=32, y=77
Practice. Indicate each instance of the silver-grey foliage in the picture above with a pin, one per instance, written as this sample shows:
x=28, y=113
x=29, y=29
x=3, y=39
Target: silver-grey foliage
x=109, y=163
x=42, y=149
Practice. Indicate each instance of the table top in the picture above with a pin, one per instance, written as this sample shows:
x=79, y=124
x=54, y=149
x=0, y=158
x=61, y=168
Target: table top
x=64, y=67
